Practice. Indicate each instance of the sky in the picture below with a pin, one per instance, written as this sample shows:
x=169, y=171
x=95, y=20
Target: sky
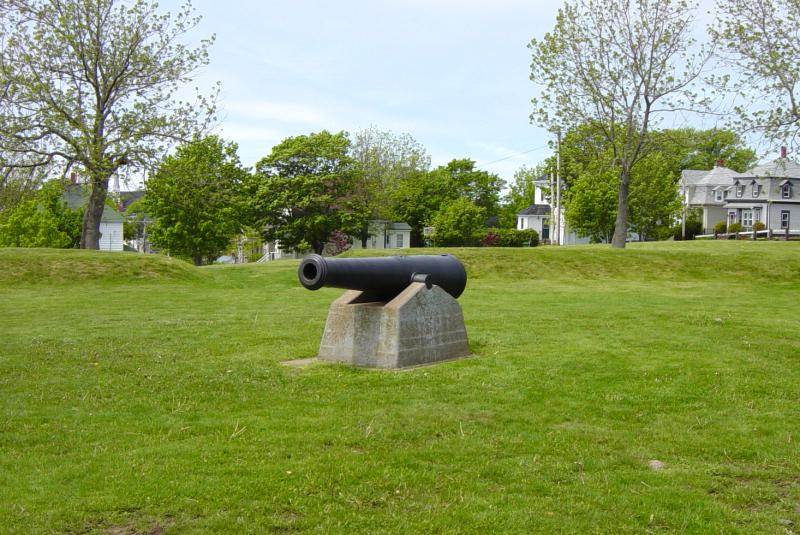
x=452, y=73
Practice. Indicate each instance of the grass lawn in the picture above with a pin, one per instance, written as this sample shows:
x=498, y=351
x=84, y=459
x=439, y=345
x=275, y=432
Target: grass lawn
x=140, y=394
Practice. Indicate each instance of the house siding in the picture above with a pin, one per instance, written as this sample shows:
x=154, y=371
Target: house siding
x=111, y=236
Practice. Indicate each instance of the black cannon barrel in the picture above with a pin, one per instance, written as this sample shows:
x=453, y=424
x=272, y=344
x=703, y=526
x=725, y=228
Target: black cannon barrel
x=383, y=277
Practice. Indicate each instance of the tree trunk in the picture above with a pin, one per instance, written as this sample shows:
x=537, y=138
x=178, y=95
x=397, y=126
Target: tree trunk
x=621, y=224
x=90, y=233
x=318, y=247
x=198, y=260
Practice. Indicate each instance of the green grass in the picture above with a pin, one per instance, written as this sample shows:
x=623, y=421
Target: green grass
x=141, y=394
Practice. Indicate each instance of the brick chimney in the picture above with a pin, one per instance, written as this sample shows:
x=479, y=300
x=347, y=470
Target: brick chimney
x=783, y=151
x=720, y=162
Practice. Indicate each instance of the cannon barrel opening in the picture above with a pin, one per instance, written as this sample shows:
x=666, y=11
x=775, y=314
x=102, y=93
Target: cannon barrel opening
x=383, y=278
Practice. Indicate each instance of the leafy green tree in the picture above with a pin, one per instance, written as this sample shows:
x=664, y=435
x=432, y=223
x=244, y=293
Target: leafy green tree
x=44, y=221
x=591, y=203
x=384, y=160
x=616, y=65
x=464, y=180
x=760, y=40
x=196, y=198
x=305, y=191
x=420, y=195
x=458, y=222
x=654, y=200
x=92, y=84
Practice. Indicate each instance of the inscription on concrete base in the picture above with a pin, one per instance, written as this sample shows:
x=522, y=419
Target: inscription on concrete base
x=420, y=326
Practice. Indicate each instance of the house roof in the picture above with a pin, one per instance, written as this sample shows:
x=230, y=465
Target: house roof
x=399, y=226
x=536, y=209
x=719, y=175
x=778, y=168
x=692, y=176
x=77, y=196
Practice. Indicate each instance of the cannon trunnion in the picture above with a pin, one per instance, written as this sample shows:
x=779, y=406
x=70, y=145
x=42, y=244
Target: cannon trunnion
x=398, y=311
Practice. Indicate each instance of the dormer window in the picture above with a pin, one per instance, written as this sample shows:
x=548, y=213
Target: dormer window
x=739, y=191
x=756, y=189
x=786, y=190
x=718, y=195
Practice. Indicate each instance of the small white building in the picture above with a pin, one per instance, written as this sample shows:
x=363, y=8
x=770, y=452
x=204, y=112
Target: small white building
x=386, y=235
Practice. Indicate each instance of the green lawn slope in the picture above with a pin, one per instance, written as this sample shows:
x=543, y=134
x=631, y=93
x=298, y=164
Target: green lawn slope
x=143, y=395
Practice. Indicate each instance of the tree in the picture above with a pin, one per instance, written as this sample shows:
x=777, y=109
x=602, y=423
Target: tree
x=384, y=159
x=464, y=180
x=196, y=199
x=305, y=191
x=420, y=195
x=43, y=221
x=90, y=83
x=417, y=198
x=457, y=223
x=761, y=40
x=615, y=66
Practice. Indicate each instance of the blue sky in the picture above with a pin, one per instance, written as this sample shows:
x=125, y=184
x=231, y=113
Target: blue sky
x=452, y=73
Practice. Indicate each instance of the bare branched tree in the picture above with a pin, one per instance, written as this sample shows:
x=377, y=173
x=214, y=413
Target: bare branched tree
x=761, y=40
x=616, y=65
x=92, y=84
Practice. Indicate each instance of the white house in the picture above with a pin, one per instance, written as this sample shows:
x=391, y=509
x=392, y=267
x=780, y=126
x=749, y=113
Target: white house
x=769, y=193
x=537, y=216
x=386, y=235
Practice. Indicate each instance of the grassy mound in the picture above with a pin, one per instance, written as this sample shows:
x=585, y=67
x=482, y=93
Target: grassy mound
x=69, y=265
x=697, y=260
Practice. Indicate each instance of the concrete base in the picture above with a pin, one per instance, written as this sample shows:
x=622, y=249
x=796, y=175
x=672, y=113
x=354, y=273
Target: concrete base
x=419, y=326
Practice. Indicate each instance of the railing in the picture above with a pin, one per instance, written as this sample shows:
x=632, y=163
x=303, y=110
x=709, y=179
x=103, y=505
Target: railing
x=769, y=234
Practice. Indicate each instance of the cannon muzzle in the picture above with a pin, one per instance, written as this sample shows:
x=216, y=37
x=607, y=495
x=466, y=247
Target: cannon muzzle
x=383, y=278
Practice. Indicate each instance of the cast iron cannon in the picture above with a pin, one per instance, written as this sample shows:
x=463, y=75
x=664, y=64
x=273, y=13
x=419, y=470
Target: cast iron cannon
x=383, y=278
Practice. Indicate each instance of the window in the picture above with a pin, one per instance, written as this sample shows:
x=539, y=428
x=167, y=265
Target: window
x=399, y=241
x=731, y=218
x=756, y=190
x=786, y=191
x=739, y=191
x=718, y=195
x=756, y=214
x=747, y=218
x=784, y=218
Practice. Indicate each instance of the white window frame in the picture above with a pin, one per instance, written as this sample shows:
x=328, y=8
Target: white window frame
x=785, y=219
x=756, y=190
x=786, y=191
x=739, y=191
x=747, y=218
x=399, y=240
x=718, y=195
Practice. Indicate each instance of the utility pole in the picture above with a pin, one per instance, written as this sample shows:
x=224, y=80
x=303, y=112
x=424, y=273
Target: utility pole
x=558, y=186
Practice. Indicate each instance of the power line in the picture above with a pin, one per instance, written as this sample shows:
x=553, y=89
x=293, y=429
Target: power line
x=512, y=156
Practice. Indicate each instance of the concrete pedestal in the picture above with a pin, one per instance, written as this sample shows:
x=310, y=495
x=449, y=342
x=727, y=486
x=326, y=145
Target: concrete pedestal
x=420, y=326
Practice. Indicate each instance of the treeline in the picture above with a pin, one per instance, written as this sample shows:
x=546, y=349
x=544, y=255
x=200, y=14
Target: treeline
x=312, y=187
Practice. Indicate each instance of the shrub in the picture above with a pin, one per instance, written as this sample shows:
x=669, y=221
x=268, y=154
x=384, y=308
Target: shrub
x=734, y=228
x=720, y=227
x=759, y=225
x=457, y=222
x=508, y=238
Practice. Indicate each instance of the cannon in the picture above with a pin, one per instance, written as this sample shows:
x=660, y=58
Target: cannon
x=383, y=278
x=398, y=311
